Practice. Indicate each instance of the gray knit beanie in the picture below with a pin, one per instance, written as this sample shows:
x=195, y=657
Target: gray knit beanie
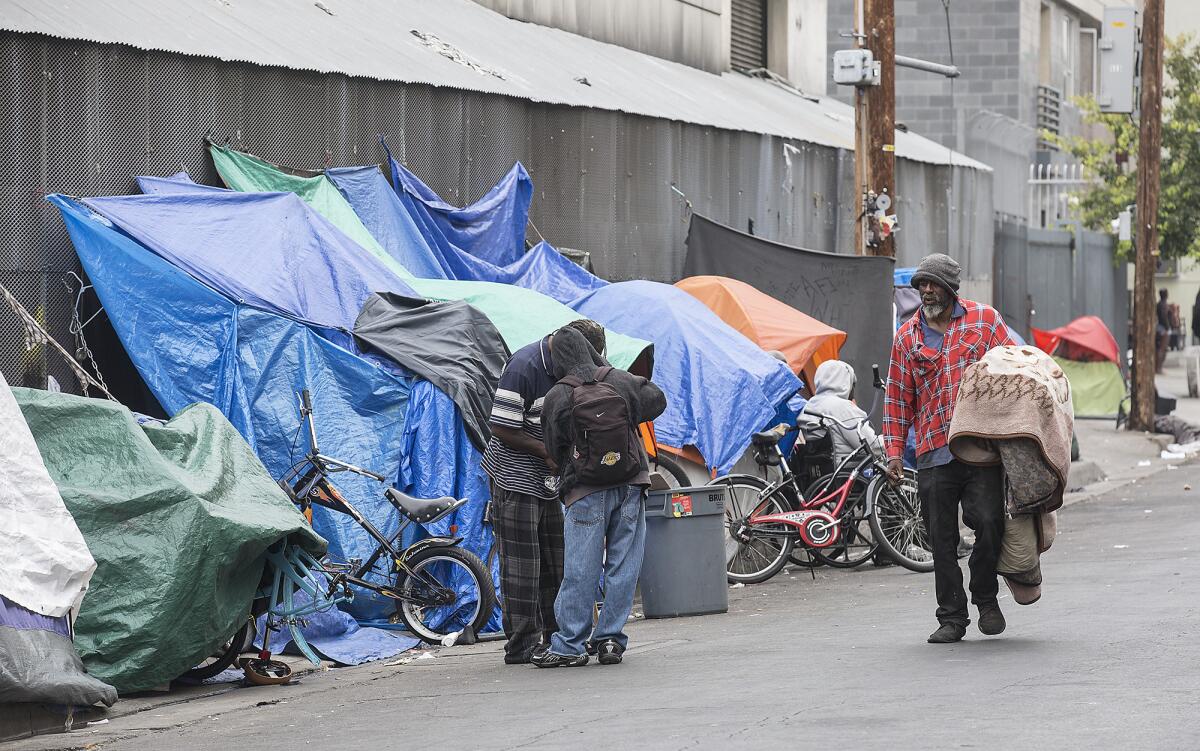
x=938, y=268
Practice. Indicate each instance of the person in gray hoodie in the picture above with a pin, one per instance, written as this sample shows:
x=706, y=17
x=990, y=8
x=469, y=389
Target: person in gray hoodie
x=833, y=383
x=605, y=527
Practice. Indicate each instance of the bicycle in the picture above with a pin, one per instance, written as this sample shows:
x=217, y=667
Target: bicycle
x=764, y=520
x=440, y=589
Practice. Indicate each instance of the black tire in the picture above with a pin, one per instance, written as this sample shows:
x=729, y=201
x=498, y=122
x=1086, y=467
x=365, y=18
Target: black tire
x=222, y=659
x=856, y=541
x=897, y=524
x=670, y=470
x=451, y=559
x=761, y=558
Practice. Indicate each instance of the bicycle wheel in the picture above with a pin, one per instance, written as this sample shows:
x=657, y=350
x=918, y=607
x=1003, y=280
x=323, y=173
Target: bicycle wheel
x=752, y=559
x=670, y=470
x=856, y=543
x=452, y=570
x=222, y=658
x=897, y=524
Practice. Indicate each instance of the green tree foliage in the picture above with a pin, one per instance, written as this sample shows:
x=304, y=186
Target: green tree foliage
x=1112, y=161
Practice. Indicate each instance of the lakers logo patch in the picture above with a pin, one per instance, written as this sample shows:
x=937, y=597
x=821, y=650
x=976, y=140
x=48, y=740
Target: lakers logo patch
x=611, y=458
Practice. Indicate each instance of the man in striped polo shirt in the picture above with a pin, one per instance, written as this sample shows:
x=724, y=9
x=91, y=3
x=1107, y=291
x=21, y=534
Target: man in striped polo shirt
x=526, y=514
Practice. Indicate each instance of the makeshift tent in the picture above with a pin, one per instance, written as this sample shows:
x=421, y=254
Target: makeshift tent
x=522, y=315
x=850, y=293
x=1089, y=355
x=769, y=323
x=720, y=386
x=191, y=344
x=45, y=568
x=1086, y=339
x=178, y=517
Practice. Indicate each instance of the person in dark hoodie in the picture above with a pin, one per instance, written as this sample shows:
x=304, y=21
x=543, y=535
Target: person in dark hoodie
x=605, y=521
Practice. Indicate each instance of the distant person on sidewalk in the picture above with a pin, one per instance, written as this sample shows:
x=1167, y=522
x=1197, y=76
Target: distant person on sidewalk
x=1196, y=319
x=590, y=426
x=525, y=512
x=1162, y=331
x=929, y=355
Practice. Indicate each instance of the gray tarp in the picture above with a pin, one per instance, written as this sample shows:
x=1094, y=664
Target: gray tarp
x=851, y=293
x=451, y=344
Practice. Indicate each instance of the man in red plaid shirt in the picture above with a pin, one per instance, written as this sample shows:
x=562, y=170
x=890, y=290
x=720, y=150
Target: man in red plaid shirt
x=930, y=353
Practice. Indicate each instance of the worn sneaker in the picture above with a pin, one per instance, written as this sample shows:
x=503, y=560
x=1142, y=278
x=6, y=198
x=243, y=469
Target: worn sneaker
x=610, y=652
x=991, y=620
x=948, y=634
x=544, y=658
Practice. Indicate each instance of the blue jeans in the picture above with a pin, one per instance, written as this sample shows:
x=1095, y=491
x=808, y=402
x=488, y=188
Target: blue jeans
x=604, y=532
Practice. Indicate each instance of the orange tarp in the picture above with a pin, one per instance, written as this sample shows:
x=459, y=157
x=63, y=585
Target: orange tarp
x=769, y=323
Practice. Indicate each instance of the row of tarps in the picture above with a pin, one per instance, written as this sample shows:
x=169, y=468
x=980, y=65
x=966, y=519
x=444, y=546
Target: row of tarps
x=697, y=356
x=45, y=570
x=851, y=293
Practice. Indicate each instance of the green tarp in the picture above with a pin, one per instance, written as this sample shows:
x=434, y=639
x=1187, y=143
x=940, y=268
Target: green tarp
x=521, y=315
x=1097, y=388
x=177, y=516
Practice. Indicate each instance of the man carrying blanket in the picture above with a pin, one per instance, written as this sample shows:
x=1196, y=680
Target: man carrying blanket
x=930, y=353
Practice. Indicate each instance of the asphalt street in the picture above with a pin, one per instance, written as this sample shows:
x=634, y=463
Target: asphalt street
x=1108, y=659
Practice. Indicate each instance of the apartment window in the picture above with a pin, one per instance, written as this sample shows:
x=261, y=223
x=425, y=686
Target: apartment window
x=748, y=34
x=1085, y=76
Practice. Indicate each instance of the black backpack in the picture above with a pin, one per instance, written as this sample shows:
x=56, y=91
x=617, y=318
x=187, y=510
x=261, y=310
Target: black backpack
x=605, y=449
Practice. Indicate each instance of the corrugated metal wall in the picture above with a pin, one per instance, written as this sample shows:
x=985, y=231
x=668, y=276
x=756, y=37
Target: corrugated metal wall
x=84, y=119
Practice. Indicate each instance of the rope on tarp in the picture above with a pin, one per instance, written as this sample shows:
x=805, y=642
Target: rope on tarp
x=37, y=336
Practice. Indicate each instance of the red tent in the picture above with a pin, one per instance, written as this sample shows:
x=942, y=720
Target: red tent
x=1085, y=339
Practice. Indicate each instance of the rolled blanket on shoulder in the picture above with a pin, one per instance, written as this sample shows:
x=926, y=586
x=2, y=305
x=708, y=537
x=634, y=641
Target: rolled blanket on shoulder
x=1014, y=408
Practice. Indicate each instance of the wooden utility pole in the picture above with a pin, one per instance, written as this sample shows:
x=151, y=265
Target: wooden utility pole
x=1141, y=416
x=875, y=117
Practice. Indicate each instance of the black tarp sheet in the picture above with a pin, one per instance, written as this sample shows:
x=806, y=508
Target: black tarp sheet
x=851, y=293
x=451, y=344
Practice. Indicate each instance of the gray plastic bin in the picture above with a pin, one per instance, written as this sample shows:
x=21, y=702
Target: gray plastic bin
x=683, y=572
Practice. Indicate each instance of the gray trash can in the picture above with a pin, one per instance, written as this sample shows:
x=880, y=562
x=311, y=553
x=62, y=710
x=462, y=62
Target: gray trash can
x=683, y=572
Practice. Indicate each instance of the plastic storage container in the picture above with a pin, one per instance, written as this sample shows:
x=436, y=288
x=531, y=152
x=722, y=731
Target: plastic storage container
x=683, y=572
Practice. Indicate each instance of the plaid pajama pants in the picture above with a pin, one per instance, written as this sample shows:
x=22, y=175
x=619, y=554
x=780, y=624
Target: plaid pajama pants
x=529, y=531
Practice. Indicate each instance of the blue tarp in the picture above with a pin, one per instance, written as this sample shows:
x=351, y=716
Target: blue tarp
x=269, y=250
x=903, y=277
x=393, y=218
x=191, y=343
x=491, y=229
x=721, y=387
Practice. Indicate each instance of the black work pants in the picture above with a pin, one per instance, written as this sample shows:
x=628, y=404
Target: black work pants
x=981, y=492
x=529, y=533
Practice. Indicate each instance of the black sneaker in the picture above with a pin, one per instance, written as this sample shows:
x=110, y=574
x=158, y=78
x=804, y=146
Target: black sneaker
x=519, y=658
x=544, y=658
x=610, y=652
x=948, y=634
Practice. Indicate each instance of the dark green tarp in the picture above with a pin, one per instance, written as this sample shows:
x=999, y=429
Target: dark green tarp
x=178, y=517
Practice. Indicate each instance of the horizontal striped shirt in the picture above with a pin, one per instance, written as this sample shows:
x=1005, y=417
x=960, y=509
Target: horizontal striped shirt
x=527, y=378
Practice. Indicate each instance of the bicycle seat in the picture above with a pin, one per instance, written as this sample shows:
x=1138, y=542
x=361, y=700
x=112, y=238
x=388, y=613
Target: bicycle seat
x=765, y=438
x=423, y=510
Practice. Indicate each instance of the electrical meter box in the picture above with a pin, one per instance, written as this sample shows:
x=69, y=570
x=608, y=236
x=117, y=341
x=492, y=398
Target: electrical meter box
x=855, y=67
x=1120, y=53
